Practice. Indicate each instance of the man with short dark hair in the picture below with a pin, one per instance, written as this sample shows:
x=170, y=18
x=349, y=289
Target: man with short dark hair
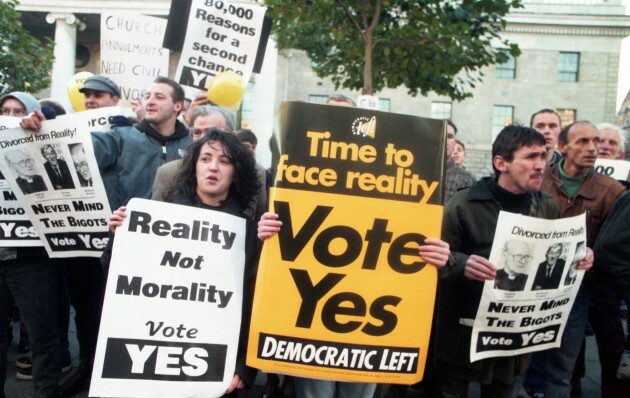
x=548, y=123
x=470, y=219
x=576, y=189
x=455, y=177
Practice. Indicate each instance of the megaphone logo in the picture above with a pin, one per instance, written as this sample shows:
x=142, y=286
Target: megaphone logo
x=364, y=126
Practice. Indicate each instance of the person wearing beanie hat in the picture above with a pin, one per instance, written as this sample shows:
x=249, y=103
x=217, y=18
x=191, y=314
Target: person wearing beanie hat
x=100, y=91
x=18, y=104
x=26, y=274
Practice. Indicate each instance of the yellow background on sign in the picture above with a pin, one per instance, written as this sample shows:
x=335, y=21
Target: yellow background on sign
x=277, y=300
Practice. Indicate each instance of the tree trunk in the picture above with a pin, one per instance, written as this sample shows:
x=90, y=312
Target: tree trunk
x=368, y=88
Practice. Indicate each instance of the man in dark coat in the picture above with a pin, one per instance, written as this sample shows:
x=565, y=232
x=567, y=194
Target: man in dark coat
x=57, y=169
x=550, y=271
x=470, y=219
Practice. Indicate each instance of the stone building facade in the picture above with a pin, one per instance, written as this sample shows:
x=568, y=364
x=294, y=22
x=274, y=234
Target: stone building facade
x=569, y=62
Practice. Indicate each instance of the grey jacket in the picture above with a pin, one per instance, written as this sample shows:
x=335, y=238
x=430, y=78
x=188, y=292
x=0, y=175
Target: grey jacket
x=128, y=158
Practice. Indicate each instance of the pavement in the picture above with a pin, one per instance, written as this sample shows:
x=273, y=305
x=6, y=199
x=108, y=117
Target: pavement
x=24, y=389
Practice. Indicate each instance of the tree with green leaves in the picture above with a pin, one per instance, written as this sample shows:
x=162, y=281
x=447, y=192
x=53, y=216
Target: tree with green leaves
x=25, y=62
x=425, y=45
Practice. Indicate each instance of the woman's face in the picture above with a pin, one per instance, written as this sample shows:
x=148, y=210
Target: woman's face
x=215, y=173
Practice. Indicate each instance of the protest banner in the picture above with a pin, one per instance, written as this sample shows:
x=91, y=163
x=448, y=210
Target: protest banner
x=55, y=178
x=132, y=53
x=172, y=311
x=220, y=36
x=526, y=307
x=15, y=228
x=341, y=292
x=615, y=168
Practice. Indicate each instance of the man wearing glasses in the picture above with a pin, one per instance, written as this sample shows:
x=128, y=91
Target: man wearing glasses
x=516, y=258
x=22, y=165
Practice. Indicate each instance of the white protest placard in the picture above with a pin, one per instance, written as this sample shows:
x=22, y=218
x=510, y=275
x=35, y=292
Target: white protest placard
x=55, y=177
x=172, y=311
x=132, y=53
x=525, y=308
x=220, y=36
x=615, y=168
x=15, y=228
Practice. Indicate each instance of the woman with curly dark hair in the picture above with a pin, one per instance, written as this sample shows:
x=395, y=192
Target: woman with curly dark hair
x=218, y=173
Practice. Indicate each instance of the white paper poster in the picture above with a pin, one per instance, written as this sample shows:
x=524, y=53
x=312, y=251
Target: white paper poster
x=525, y=308
x=615, y=168
x=172, y=312
x=15, y=228
x=220, y=36
x=132, y=53
x=55, y=178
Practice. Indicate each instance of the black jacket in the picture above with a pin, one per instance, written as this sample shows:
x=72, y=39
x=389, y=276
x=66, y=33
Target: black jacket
x=470, y=220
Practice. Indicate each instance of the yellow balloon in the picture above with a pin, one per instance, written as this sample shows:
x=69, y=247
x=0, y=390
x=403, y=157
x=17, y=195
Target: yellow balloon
x=74, y=85
x=226, y=89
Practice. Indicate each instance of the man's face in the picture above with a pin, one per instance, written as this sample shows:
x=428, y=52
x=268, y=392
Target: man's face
x=609, y=145
x=581, y=149
x=99, y=99
x=204, y=122
x=50, y=154
x=21, y=163
x=159, y=104
x=458, y=154
x=251, y=147
x=525, y=172
x=13, y=107
x=516, y=257
x=548, y=124
x=214, y=172
x=553, y=254
x=450, y=140
x=81, y=165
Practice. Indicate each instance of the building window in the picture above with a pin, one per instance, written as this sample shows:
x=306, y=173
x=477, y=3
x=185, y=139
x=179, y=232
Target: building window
x=383, y=104
x=441, y=110
x=247, y=108
x=506, y=70
x=567, y=116
x=317, y=99
x=568, y=67
x=502, y=115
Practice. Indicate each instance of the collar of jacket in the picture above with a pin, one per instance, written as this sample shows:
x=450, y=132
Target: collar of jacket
x=180, y=131
x=481, y=192
x=588, y=189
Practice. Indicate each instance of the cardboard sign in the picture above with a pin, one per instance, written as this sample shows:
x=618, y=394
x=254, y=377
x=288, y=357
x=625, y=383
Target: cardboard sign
x=132, y=53
x=342, y=293
x=172, y=311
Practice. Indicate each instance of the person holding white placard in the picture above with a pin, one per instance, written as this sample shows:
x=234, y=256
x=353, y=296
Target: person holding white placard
x=218, y=173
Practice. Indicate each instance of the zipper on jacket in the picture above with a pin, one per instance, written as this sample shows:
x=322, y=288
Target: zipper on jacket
x=163, y=153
